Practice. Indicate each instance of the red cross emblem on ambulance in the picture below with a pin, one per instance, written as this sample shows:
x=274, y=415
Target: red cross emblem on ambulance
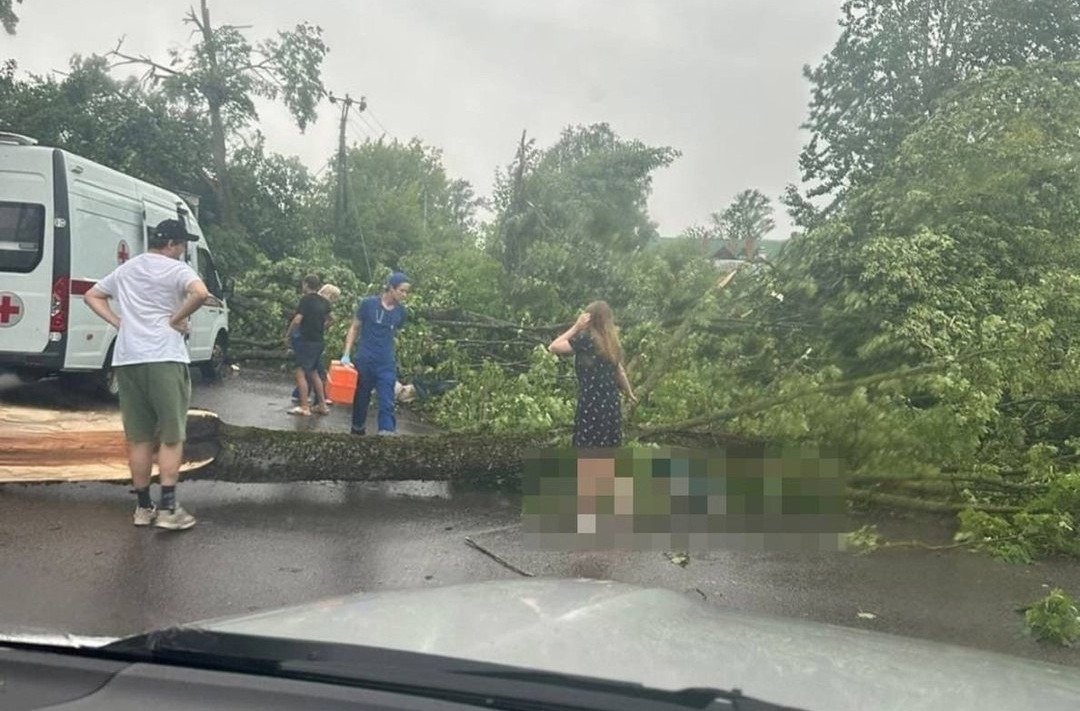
x=11, y=309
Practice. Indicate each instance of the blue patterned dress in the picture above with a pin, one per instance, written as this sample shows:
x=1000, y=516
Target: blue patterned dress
x=598, y=421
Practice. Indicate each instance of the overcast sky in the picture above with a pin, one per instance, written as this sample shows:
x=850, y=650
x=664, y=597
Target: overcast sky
x=720, y=80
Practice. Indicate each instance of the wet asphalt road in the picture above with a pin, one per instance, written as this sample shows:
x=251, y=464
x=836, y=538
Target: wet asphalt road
x=71, y=561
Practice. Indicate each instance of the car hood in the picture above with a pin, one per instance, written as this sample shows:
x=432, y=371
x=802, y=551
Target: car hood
x=668, y=640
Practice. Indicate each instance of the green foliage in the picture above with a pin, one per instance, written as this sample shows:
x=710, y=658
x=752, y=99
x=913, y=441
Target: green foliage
x=223, y=70
x=490, y=400
x=458, y=277
x=966, y=245
x=1055, y=619
x=8, y=18
x=1022, y=537
x=744, y=223
x=218, y=77
x=269, y=292
x=116, y=123
x=896, y=59
x=234, y=251
x=864, y=540
x=566, y=213
x=273, y=194
x=401, y=201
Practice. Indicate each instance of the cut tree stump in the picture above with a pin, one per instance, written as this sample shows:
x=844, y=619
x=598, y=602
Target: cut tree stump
x=38, y=445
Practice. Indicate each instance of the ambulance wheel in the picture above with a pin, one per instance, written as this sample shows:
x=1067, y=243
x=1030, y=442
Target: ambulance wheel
x=214, y=369
x=103, y=383
x=108, y=385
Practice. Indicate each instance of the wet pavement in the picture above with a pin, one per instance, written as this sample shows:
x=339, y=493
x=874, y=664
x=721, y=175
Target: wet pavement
x=260, y=398
x=71, y=561
x=249, y=397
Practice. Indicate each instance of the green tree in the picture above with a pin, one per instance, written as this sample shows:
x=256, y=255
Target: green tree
x=745, y=222
x=222, y=72
x=968, y=243
x=275, y=194
x=116, y=123
x=894, y=61
x=566, y=215
x=8, y=18
x=403, y=201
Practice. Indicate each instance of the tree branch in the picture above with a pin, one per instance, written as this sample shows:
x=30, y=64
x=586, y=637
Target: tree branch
x=144, y=60
x=663, y=365
x=770, y=402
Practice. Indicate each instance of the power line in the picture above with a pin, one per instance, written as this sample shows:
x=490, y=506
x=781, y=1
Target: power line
x=359, y=128
x=322, y=170
x=380, y=123
x=374, y=130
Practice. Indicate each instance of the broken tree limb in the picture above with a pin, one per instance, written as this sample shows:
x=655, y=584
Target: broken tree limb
x=663, y=365
x=498, y=559
x=766, y=403
x=897, y=501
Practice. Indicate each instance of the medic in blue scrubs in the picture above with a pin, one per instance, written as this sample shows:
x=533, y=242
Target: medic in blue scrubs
x=377, y=321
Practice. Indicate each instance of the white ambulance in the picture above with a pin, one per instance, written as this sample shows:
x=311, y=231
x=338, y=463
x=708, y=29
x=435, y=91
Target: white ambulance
x=66, y=222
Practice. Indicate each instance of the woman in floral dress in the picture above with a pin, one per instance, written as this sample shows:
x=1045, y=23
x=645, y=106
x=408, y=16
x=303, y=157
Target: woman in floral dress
x=593, y=340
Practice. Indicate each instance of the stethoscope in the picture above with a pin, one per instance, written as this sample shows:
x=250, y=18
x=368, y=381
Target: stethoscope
x=381, y=313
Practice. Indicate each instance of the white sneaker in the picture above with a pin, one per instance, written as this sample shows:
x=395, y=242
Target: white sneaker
x=176, y=520
x=144, y=516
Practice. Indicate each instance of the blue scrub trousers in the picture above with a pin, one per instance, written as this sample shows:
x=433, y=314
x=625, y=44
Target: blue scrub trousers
x=381, y=377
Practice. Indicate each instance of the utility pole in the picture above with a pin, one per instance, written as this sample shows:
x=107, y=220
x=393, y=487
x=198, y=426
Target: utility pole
x=344, y=211
x=341, y=210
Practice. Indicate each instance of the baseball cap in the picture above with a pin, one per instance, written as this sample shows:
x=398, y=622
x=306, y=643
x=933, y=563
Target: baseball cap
x=396, y=279
x=174, y=230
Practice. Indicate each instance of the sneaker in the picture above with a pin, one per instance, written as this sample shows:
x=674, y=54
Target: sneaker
x=176, y=520
x=144, y=516
x=388, y=433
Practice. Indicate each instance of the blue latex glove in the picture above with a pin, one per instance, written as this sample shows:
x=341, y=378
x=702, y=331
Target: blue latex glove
x=345, y=359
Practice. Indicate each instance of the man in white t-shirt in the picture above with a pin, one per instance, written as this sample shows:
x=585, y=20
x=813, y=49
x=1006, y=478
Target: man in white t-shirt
x=155, y=293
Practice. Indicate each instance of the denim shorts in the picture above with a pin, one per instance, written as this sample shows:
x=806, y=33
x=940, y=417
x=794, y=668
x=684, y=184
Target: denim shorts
x=307, y=354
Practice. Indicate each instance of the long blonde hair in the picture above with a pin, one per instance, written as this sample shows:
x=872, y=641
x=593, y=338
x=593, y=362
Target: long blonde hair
x=604, y=332
x=330, y=292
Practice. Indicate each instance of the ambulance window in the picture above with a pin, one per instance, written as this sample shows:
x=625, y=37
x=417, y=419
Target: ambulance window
x=22, y=234
x=208, y=274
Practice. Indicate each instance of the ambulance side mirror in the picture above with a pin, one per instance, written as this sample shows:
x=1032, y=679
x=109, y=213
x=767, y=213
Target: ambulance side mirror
x=228, y=286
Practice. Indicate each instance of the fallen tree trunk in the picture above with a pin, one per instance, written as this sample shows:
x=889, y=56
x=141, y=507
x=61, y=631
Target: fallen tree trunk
x=52, y=445
x=247, y=454
x=259, y=354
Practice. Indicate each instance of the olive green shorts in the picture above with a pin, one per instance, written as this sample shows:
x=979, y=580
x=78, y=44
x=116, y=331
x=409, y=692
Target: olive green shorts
x=154, y=400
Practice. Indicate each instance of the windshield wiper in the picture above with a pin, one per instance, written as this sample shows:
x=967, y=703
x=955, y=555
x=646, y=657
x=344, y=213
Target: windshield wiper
x=460, y=680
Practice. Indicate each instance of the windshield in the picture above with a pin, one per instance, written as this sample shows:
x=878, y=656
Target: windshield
x=736, y=333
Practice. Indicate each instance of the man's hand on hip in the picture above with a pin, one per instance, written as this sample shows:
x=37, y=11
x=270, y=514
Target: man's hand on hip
x=181, y=326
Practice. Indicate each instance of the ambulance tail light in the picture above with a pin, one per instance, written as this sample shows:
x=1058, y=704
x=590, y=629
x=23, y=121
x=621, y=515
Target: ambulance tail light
x=58, y=310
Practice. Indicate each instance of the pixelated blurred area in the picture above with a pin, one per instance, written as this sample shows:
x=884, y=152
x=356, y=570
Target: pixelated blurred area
x=750, y=497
